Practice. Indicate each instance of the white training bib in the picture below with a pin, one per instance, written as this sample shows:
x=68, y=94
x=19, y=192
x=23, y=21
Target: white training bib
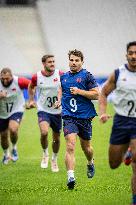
x=14, y=102
x=124, y=96
x=47, y=92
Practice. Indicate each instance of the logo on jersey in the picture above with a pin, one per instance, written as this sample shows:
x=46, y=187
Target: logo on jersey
x=55, y=79
x=124, y=79
x=78, y=80
x=14, y=89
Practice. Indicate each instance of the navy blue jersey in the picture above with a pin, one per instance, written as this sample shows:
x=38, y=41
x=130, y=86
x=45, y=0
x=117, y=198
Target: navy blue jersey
x=77, y=105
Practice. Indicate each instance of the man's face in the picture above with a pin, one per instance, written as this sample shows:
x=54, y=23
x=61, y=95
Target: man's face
x=49, y=65
x=75, y=63
x=131, y=56
x=6, y=79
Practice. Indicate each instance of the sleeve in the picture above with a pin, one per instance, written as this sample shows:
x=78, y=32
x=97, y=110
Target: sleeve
x=91, y=82
x=34, y=80
x=61, y=72
x=23, y=82
x=116, y=74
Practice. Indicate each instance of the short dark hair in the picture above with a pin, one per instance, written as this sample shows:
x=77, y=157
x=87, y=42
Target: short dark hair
x=45, y=57
x=5, y=71
x=77, y=53
x=133, y=43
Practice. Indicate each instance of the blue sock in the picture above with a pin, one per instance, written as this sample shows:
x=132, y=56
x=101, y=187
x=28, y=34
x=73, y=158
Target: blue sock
x=134, y=199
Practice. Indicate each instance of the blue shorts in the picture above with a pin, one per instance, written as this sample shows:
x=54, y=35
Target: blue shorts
x=83, y=127
x=54, y=120
x=5, y=122
x=123, y=130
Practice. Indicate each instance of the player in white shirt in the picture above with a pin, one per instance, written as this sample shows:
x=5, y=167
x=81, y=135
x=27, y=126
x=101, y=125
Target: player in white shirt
x=12, y=104
x=123, y=135
x=47, y=82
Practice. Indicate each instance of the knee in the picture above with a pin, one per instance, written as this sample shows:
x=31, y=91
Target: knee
x=114, y=164
x=71, y=147
x=44, y=133
x=13, y=130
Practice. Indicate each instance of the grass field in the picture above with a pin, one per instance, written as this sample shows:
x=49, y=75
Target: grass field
x=24, y=182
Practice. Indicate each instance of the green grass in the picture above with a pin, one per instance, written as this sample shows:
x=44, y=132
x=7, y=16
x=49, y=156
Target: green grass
x=24, y=182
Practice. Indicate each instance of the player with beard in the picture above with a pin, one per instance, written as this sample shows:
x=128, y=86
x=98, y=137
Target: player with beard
x=12, y=104
x=78, y=89
x=47, y=82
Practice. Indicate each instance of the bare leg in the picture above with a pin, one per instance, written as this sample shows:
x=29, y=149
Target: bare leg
x=70, y=159
x=116, y=154
x=70, y=151
x=13, y=128
x=44, y=127
x=87, y=149
x=55, y=148
x=133, y=180
x=5, y=146
x=4, y=140
x=56, y=142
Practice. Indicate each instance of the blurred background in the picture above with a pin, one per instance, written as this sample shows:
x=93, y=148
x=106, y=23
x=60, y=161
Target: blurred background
x=101, y=29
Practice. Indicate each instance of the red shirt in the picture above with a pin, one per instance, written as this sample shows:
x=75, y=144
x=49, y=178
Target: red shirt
x=34, y=77
x=23, y=82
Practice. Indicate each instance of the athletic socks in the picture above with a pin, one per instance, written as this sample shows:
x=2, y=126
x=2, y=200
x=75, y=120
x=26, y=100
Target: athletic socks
x=54, y=156
x=45, y=152
x=14, y=146
x=6, y=152
x=90, y=162
x=70, y=173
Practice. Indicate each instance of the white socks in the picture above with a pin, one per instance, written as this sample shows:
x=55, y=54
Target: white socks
x=90, y=162
x=54, y=156
x=70, y=173
x=45, y=152
x=6, y=152
x=14, y=146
